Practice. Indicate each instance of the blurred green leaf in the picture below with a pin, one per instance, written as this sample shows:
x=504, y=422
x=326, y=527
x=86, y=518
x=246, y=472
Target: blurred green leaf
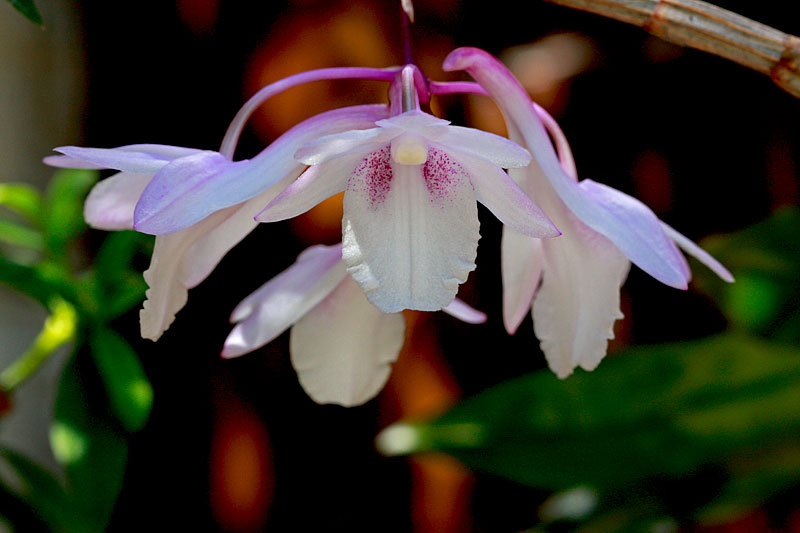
x=127, y=385
x=754, y=479
x=122, y=287
x=28, y=9
x=27, y=280
x=117, y=253
x=23, y=199
x=765, y=259
x=17, y=235
x=648, y=412
x=39, y=489
x=63, y=207
x=59, y=328
x=92, y=452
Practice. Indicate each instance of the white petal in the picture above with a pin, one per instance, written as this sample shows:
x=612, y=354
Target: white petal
x=575, y=308
x=410, y=232
x=498, y=150
x=316, y=184
x=208, y=251
x=111, y=202
x=183, y=259
x=416, y=121
x=464, y=312
x=280, y=302
x=698, y=253
x=328, y=146
x=343, y=349
x=504, y=198
x=521, y=262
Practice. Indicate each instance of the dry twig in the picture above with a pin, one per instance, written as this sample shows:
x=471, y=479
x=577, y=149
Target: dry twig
x=712, y=29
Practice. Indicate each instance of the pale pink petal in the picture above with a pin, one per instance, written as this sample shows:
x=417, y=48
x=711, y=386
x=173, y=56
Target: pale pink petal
x=210, y=248
x=65, y=161
x=328, y=146
x=464, y=312
x=156, y=211
x=191, y=188
x=504, y=198
x=698, y=253
x=408, y=7
x=116, y=158
x=284, y=299
x=110, y=203
x=183, y=259
x=343, y=349
x=498, y=150
x=521, y=262
x=316, y=184
x=417, y=121
x=643, y=245
x=410, y=232
x=575, y=308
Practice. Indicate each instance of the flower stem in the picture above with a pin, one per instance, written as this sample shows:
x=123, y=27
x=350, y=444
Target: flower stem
x=59, y=328
x=711, y=29
x=237, y=125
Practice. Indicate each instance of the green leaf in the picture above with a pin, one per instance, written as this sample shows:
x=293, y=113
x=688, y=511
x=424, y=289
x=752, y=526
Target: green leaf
x=765, y=259
x=63, y=214
x=128, y=388
x=23, y=199
x=92, y=453
x=27, y=280
x=17, y=235
x=754, y=480
x=28, y=9
x=121, y=286
x=59, y=328
x=39, y=488
x=648, y=412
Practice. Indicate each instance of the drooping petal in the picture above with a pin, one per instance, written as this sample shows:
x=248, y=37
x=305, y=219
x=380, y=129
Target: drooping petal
x=645, y=240
x=410, y=232
x=183, y=259
x=498, y=150
x=464, y=312
x=209, y=249
x=575, y=308
x=110, y=203
x=316, y=184
x=284, y=299
x=153, y=214
x=644, y=247
x=504, y=198
x=117, y=158
x=521, y=261
x=343, y=349
x=175, y=201
x=698, y=253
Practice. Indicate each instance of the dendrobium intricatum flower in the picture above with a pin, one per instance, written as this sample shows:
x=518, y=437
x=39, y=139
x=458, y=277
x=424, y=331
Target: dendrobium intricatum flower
x=341, y=345
x=410, y=226
x=581, y=272
x=409, y=231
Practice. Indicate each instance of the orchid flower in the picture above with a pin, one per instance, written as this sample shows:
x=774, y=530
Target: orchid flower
x=341, y=346
x=200, y=203
x=604, y=230
x=410, y=226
